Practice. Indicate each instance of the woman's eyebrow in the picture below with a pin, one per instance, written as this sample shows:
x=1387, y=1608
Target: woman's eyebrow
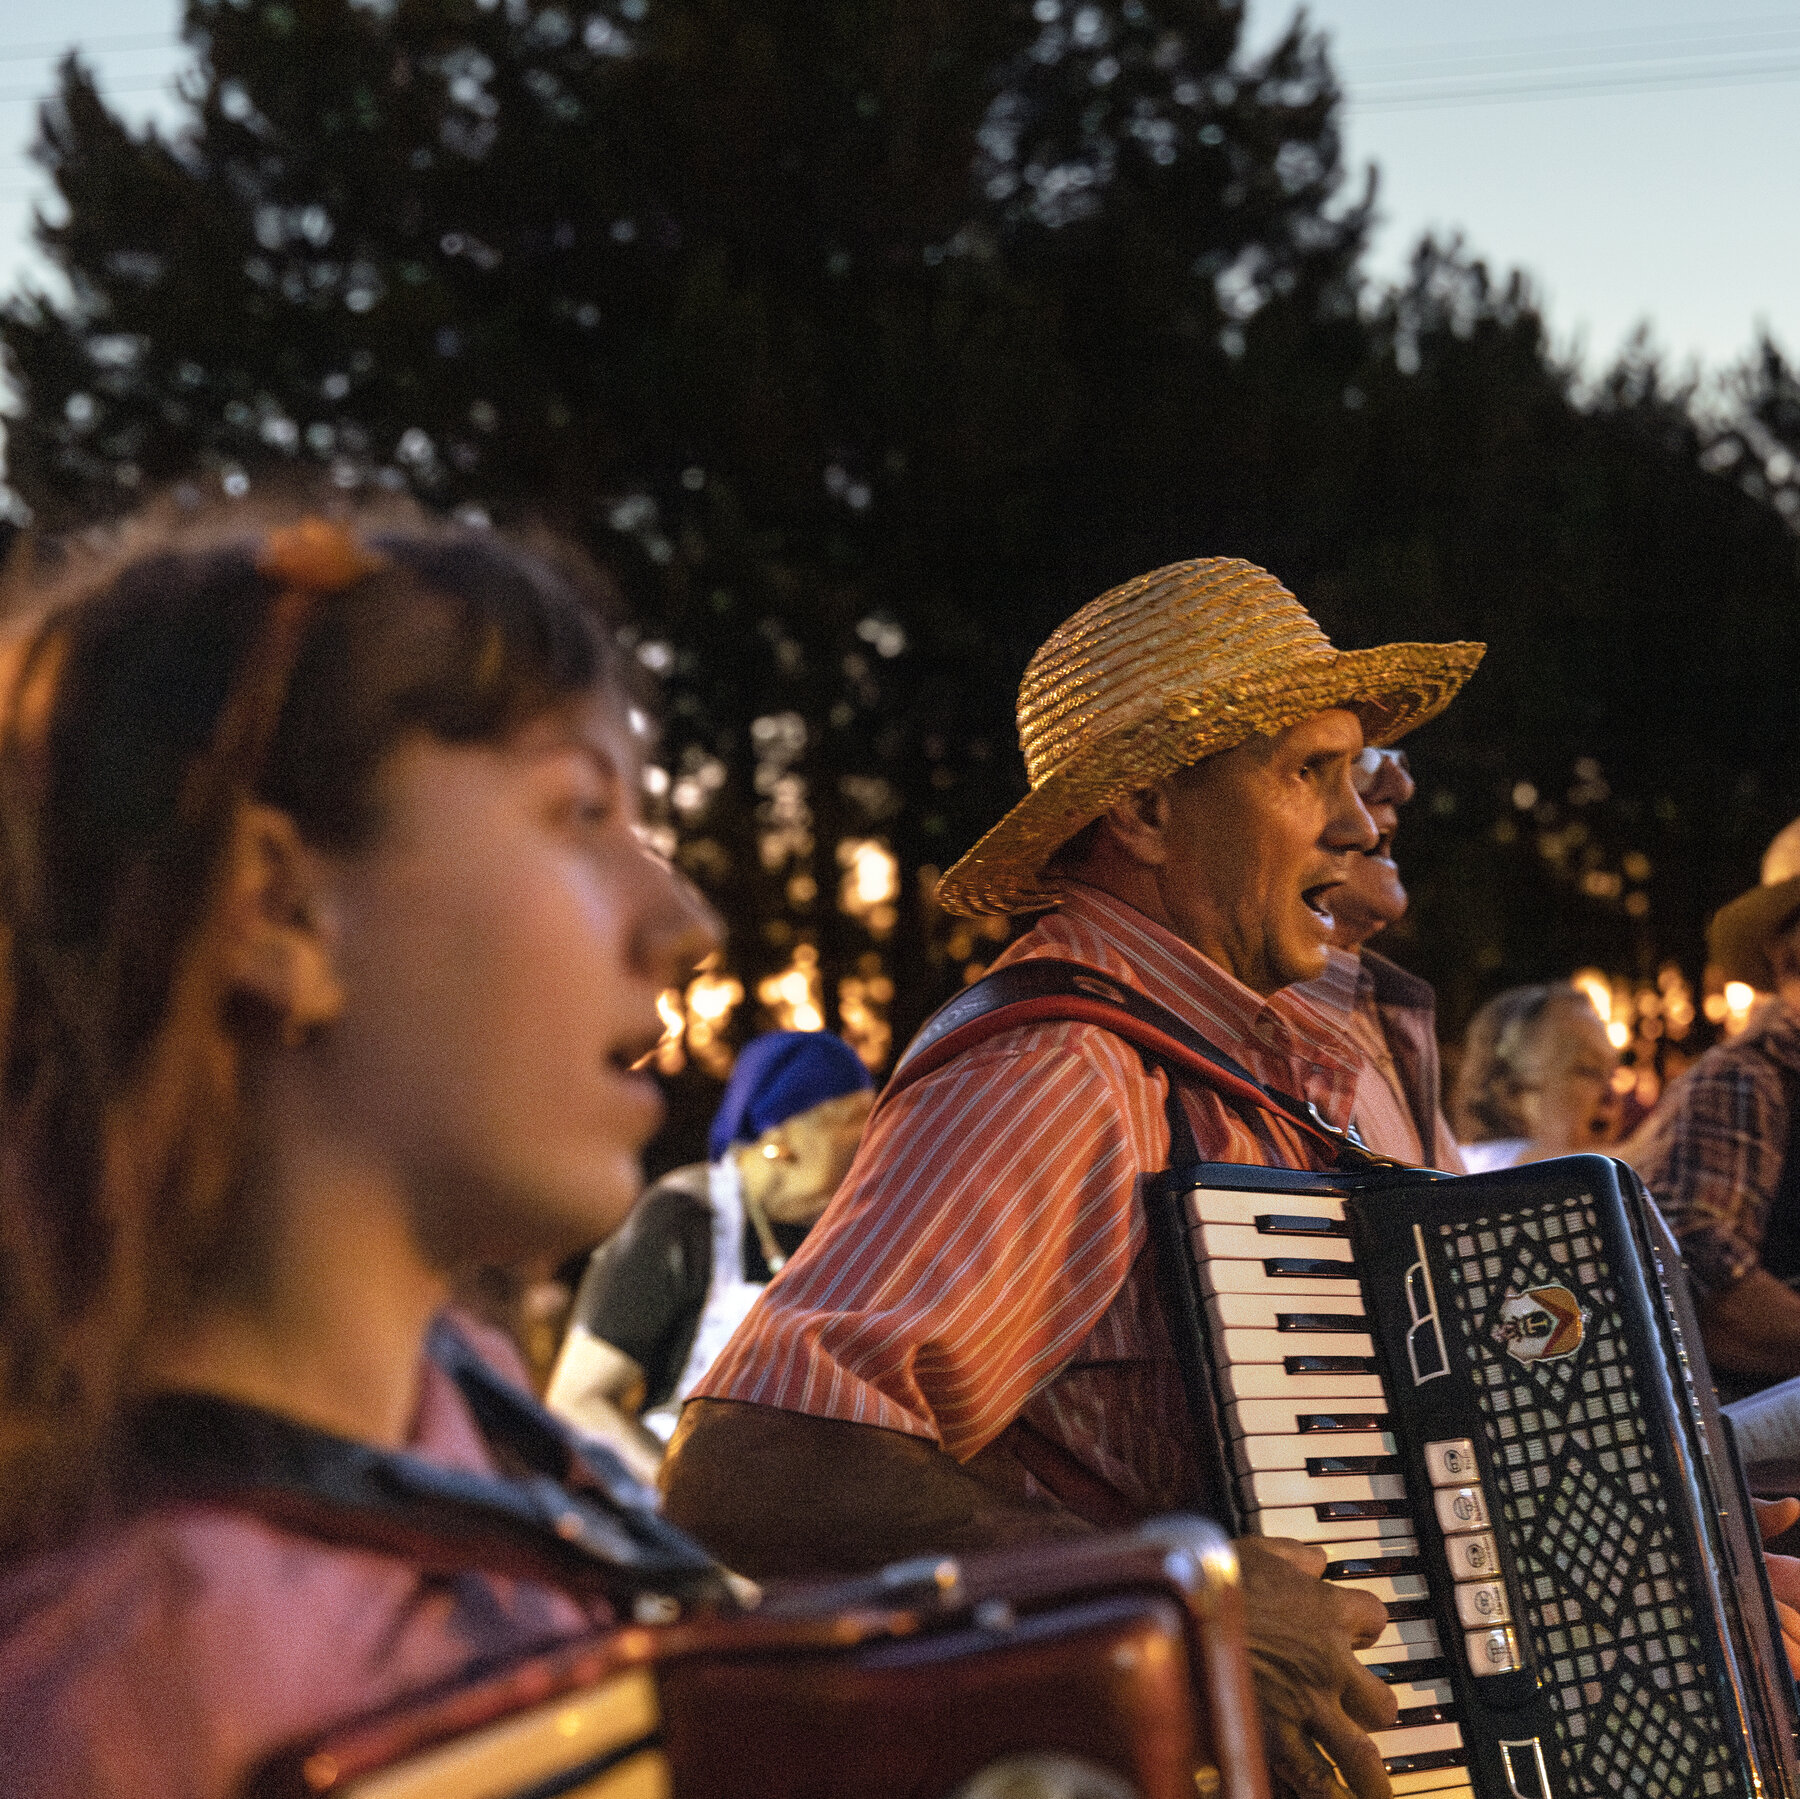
x=564, y=736
x=625, y=772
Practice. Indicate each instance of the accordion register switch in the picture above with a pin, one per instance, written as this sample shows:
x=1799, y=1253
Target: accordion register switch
x=1480, y=1593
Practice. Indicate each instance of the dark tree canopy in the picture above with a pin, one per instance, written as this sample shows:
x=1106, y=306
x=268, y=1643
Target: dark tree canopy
x=865, y=340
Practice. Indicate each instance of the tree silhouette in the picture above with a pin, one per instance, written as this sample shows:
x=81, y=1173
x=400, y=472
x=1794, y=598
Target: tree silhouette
x=839, y=332
x=862, y=341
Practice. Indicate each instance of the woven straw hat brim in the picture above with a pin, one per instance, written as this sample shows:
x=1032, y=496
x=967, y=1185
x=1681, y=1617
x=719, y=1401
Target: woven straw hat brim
x=1737, y=940
x=1394, y=689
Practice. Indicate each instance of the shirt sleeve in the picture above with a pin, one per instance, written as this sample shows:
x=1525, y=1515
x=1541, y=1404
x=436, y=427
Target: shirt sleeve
x=986, y=1225
x=1714, y=1164
x=1449, y=1151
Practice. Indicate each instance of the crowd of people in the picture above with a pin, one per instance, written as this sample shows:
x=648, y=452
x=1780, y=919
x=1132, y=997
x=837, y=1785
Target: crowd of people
x=332, y=948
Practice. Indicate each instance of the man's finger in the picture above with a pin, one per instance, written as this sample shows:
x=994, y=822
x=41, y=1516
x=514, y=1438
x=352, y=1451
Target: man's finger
x=1358, y=1760
x=1309, y=1558
x=1369, y=1701
x=1789, y=1620
x=1297, y=1767
x=1784, y=1577
x=1773, y=1516
x=1360, y=1613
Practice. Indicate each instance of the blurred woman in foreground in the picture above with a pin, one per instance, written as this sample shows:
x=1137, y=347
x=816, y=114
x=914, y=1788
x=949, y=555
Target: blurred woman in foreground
x=330, y=952
x=1535, y=1080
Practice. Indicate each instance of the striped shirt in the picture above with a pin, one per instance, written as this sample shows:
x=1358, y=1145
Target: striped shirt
x=985, y=1258
x=1384, y=1109
x=1346, y=993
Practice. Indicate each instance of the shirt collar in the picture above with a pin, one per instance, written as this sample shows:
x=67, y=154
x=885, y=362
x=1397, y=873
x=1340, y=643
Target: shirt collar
x=1775, y=1029
x=1338, y=991
x=1287, y=1041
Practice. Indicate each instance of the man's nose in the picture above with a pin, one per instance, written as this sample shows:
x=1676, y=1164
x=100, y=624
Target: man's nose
x=1350, y=827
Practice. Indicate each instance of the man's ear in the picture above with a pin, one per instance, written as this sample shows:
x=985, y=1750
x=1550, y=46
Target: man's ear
x=280, y=950
x=1139, y=825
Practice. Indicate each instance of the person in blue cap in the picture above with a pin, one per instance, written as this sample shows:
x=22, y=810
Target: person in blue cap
x=662, y=1296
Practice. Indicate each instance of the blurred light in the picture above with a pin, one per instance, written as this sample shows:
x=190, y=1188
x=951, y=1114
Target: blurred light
x=1678, y=1001
x=863, y=1000
x=870, y=884
x=1598, y=990
x=793, y=996
x=670, y=1057
x=1624, y=1079
x=883, y=635
x=1620, y=1033
x=712, y=997
x=1739, y=998
x=1524, y=796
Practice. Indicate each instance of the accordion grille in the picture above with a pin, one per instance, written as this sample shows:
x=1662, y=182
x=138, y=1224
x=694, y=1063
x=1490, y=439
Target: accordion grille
x=1611, y=1614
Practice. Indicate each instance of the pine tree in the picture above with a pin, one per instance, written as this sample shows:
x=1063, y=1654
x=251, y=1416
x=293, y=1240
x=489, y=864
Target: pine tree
x=861, y=340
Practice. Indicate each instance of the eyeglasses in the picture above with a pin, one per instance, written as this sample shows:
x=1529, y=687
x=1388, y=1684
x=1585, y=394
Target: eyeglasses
x=1366, y=769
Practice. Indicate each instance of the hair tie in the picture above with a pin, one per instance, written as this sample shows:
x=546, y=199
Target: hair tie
x=307, y=560
x=316, y=556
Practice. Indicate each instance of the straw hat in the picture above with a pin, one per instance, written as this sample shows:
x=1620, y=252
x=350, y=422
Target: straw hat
x=1181, y=663
x=1738, y=938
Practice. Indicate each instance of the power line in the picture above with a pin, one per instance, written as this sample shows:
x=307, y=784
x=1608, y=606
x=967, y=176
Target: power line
x=22, y=96
x=1495, y=71
x=1486, y=55
x=1568, y=65
x=43, y=52
x=1599, y=83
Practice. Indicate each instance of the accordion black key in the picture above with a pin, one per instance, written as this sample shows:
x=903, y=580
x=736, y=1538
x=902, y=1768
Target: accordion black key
x=1484, y=1398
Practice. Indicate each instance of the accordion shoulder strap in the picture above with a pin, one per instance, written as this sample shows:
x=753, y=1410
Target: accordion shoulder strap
x=1047, y=990
x=568, y=1515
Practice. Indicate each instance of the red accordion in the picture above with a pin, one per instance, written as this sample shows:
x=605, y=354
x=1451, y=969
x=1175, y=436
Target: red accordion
x=1109, y=1669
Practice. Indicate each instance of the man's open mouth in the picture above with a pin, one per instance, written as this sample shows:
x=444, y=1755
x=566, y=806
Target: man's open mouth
x=1318, y=901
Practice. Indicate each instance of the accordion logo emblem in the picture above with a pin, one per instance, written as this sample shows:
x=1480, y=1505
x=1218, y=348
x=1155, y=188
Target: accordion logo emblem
x=1542, y=1324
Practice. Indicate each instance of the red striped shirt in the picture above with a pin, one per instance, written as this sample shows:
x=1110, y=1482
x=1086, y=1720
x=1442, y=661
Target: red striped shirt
x=985, y=1257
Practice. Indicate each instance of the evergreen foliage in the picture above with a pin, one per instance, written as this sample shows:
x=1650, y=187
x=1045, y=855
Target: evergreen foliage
x=865, y=340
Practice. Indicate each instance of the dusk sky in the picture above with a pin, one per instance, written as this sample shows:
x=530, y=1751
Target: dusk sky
x=1628, y=153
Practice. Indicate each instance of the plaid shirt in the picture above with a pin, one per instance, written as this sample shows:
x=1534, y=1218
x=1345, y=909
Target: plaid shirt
x=985, y=1256
x=1712, y=1152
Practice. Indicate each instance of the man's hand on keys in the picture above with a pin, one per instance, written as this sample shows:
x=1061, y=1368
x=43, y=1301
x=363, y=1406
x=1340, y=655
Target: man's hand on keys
x=1773, y=1516
x=1315, y=1695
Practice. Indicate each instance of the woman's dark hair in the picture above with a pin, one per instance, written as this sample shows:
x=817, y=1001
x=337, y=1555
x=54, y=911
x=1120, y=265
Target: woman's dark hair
x=1499, y=1051
x=142, y=709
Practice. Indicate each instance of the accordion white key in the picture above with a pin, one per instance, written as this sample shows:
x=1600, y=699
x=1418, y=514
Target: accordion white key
x=1484, y=1398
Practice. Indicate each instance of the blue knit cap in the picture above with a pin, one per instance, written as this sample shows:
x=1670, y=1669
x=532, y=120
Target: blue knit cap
x=779, y=1075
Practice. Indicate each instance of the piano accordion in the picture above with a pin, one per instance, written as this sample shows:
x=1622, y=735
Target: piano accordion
x=1484, y=1398
x=1108, y=1669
